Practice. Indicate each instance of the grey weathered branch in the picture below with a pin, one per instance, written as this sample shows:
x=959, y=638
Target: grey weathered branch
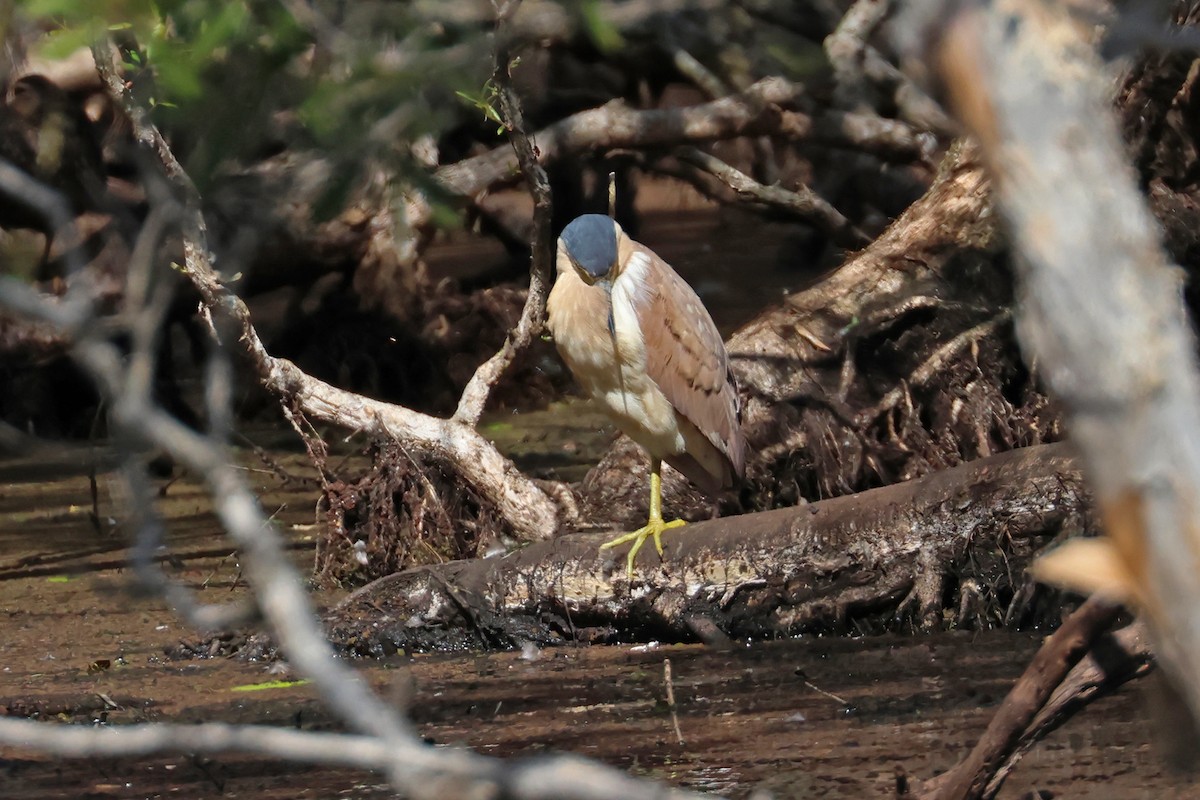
x=425, y=771
x=786, y=571
x=530, y=512
x=755, y=111
x=1101, y=307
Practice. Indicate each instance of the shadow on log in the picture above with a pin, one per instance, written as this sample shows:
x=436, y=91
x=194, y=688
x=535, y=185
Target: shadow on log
x=884, y=553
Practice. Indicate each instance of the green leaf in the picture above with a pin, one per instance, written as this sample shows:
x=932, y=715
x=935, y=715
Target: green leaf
x=61, y=43
x=603, y=33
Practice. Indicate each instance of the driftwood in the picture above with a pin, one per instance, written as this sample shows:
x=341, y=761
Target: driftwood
x=886, y=551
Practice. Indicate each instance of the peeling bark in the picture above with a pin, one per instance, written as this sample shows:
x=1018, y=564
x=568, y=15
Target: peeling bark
x=813, y=567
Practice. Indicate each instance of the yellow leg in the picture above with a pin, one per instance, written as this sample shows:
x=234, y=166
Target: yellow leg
x=654, y=527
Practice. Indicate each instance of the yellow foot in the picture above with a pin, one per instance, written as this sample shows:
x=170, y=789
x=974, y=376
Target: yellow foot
x=653, y=528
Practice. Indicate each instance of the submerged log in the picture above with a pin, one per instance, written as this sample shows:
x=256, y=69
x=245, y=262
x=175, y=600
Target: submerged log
x=890, y=551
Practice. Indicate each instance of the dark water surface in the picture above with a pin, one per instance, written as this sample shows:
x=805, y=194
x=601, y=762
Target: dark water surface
x=805, y=718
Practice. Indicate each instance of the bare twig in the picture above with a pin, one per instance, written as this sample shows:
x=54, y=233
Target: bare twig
x=697, y=73
x=714, y=86
x=523, y=505
x=475, y=394
x=803, y=202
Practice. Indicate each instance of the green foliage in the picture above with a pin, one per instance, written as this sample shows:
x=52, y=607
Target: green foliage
x=603, y=33
x=232, y=81
x=485, y=101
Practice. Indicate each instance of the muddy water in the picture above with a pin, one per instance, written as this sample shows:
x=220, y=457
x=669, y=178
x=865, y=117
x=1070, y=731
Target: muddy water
x=804, y=718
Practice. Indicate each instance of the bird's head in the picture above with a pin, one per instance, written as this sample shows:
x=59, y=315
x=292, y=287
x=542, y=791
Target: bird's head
x=590, y=244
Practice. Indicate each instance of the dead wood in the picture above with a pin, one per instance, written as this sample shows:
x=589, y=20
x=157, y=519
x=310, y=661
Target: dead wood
x=975, y=777
x=1113, y=660
x=541, y=269
x=864, y=78
x=529, y=511
x=759, y=110
x=802, y=202
x=1101, y=308
x=885, y=553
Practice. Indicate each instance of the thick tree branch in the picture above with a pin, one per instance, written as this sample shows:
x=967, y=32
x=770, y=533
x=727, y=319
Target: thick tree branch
x=783, y=571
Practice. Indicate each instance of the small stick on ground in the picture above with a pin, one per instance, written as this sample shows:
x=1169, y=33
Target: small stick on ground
x=670, y=682
x=830, y=695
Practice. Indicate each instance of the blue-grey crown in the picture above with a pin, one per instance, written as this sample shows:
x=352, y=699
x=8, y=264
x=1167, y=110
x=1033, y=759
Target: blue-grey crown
x=591, y=241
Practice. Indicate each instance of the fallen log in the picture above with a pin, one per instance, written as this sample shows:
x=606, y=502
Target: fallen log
x=886, y=552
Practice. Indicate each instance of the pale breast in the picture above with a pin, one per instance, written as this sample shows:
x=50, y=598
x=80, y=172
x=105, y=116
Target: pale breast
x=610, y=362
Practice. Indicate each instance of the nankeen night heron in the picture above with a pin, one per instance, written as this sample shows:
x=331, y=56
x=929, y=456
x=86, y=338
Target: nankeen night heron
x=641, y=344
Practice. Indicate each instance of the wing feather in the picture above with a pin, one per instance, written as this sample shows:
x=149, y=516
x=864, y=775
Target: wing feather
x=686, y=359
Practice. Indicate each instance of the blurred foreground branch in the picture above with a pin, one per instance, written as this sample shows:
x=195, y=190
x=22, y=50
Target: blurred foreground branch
x=419, y=770
x=1101, y=311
